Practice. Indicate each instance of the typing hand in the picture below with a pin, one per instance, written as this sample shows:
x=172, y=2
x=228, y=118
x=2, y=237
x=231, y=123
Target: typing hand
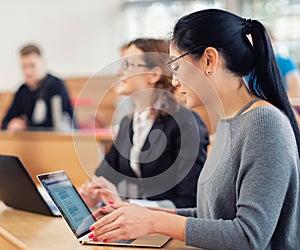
x=102, y=211
x=106, y=190
x=126, y=222
x=99, y=189
x=89, y=194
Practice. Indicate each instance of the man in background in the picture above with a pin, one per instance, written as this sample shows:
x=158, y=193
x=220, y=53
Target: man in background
x=42, y=102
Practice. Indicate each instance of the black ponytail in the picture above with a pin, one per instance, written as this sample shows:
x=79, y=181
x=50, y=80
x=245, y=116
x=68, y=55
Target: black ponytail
x=228, y=34
x=266, y=80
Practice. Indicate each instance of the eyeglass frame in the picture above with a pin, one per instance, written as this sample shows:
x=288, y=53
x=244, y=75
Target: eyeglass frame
x=132, y=64
x=184, y=54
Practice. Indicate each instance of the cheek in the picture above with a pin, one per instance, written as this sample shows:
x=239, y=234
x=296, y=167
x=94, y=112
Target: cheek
x=131, y=85
x=192, y=99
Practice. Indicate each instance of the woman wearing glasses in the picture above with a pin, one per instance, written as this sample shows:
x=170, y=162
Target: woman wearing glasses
x=248, y=190
x=161, y=148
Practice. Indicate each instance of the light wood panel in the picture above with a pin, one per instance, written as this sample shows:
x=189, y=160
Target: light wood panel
x=41, y=152
x=93, y=96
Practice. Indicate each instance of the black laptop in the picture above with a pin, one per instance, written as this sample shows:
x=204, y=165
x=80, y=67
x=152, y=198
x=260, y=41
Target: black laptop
x=19, y=191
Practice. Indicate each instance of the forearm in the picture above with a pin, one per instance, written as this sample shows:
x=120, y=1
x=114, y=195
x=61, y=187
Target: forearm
x=161, y=209
x=163, y=220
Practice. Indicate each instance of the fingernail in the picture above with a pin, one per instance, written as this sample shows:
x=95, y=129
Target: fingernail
x=104, y=241
x=91, y=236
x=95, y=239
x=111, y=202
x=92, y=228
x=102, y=207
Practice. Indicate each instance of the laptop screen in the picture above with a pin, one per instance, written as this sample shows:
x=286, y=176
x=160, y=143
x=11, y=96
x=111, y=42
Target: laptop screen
x=68, y=201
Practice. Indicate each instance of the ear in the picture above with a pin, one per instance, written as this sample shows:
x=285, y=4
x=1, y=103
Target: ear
x=155, y=75
x=211, y=57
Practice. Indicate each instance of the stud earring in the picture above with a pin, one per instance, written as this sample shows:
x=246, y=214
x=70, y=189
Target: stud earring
x=208, y=72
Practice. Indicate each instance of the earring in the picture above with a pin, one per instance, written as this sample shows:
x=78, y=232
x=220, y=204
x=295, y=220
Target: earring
x=208, y=72
x=176, y=83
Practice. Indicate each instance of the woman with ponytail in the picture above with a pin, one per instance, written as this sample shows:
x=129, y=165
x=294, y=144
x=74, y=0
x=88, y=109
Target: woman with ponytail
x=248, y=190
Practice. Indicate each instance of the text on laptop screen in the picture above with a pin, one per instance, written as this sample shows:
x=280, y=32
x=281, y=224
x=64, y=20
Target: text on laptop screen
x=71, y=206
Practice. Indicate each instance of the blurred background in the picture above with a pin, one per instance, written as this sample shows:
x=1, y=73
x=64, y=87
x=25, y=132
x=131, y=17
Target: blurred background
x=80, y=37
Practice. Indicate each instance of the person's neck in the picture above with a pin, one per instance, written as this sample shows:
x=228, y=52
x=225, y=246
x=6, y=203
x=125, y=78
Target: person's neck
x=141, y=102
x=37, y=84
x=236, y=101
x=231, y=99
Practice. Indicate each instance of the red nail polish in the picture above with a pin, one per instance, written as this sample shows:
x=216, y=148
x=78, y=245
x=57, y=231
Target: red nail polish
x=111, y=202
x=91, y=236
x=104, y=241
x=95, y=239
x=92, y=228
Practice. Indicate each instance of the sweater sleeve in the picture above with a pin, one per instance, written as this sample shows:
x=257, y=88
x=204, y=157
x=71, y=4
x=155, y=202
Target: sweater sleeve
x=265, y=172
x=187, y=212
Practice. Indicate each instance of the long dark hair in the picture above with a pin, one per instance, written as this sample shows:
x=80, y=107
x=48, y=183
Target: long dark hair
x=228, y=34
x=168, y=103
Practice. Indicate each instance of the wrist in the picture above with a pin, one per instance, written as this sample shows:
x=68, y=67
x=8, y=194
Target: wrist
x=157, y=221
x=161, y=222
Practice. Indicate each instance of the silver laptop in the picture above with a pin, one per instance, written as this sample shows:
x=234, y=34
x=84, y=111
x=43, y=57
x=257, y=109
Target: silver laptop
x=79, y=217
x=19, y=191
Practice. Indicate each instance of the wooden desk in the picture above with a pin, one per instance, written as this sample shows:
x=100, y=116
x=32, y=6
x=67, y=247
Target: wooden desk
x=24, y=230
x=41, y=152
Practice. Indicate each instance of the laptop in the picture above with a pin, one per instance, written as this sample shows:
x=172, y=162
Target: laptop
x=18, y=190
x=79, y=217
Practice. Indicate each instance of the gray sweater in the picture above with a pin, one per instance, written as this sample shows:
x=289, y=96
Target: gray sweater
x=248, y=190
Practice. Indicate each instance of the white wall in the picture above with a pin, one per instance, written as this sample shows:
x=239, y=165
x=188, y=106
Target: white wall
x=78, y=37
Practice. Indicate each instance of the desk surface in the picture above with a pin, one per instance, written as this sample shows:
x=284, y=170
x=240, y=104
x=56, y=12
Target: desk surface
x=101, y=135
x=24, y=230
x=78, y=154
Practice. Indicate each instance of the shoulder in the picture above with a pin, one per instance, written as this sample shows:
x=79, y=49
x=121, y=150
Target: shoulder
x=265, y=129
x=184, y=121
x=191, y=118
x=186, y=115
x=23, y=89
x=125, y=122
x=54, y=85
x=54, y=78
x=266, y=116
x=54, y=82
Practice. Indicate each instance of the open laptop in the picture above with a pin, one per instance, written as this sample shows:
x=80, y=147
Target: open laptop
x=18, y=190
x=79, y=217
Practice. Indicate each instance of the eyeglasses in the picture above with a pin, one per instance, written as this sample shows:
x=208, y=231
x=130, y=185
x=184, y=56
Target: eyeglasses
x=173, y=66
x=126, y=64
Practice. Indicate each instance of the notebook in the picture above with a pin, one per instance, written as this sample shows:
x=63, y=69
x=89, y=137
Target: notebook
x=19, y=191
x=79, y=217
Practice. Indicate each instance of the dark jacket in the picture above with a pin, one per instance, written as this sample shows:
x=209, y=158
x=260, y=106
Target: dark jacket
x=25, y=99
x=169, y=170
